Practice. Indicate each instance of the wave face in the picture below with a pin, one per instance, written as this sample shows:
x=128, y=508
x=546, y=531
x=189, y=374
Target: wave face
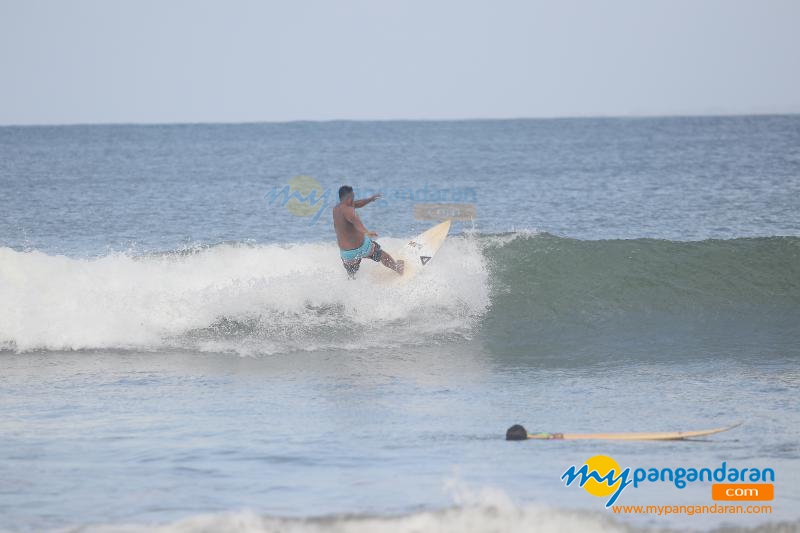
x=647, y=273
x=561, y=294
x=519, y=292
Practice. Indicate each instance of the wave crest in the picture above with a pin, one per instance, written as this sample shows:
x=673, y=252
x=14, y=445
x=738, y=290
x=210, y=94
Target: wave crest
x=247, y=299
x=522, y=291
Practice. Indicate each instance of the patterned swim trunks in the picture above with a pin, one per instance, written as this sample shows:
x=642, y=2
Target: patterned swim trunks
x=351, y=259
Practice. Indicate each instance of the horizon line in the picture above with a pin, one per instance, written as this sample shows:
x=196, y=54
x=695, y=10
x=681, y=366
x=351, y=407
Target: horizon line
x=465, y=119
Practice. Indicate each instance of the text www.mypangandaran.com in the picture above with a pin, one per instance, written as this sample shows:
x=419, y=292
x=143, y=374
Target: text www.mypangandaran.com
x=661, y=510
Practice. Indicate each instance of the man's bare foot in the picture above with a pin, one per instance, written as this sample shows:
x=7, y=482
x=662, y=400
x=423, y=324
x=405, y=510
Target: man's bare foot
x=401, y=266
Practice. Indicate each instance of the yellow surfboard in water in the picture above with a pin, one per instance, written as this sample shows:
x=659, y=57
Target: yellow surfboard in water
x=519, y=433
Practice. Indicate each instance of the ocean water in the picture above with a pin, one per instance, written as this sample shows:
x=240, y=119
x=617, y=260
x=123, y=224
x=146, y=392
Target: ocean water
x=178, y=353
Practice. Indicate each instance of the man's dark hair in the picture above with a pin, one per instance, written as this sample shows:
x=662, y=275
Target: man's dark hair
x=344, y=190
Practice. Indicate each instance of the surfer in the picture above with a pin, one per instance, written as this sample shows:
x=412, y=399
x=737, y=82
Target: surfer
x=354, y=239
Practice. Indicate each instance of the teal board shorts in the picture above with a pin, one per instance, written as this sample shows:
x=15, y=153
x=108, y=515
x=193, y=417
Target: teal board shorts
x=351, y=259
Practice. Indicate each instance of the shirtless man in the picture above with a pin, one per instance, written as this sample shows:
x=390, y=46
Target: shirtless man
x=353, y=238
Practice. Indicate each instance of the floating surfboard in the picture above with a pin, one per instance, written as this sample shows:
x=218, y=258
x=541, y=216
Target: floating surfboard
x=518, y=432
x=417, y=253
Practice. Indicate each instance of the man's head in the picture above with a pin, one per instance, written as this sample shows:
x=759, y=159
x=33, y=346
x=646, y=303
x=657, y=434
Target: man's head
x=346, y=195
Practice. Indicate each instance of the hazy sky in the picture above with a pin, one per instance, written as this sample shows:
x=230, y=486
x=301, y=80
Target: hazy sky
x=88, y=61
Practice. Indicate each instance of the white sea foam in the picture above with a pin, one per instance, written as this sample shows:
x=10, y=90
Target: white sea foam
x=470, y=519
x=466, y=519
x=248, y=299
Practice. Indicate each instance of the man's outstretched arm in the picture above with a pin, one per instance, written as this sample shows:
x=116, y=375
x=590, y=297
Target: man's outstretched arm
x=365, y=201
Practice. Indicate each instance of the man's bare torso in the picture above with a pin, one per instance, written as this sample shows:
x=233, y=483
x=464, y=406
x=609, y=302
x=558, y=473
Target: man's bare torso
x=347, y=235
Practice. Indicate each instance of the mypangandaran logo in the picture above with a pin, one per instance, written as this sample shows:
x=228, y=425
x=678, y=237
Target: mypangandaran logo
x=602, y=476
x=302, y=196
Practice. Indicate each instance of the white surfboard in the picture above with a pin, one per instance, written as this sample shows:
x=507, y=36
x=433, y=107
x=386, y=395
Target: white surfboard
x=417, y=253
